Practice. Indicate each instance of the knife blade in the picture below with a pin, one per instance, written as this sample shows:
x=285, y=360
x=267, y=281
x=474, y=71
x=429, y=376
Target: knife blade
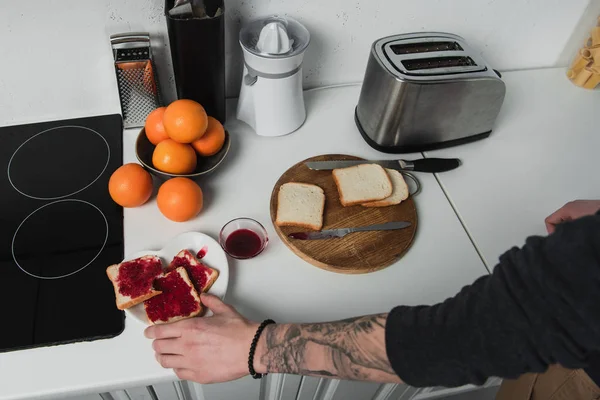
x=433, y=165
x=341, y=232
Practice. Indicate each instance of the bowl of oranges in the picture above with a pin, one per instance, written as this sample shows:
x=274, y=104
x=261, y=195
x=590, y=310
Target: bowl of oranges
x=181, y=140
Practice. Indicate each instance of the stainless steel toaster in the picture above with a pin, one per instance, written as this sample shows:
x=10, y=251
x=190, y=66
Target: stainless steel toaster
x=423, y=91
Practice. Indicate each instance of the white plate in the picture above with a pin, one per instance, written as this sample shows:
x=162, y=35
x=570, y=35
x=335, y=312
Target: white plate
x=194, y=242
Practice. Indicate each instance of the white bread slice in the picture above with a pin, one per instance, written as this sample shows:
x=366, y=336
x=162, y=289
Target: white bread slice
x=400, y=191
x=300, y=204
x=196, y=270
x=362, y=184
x=123, y=296
x=168, y=298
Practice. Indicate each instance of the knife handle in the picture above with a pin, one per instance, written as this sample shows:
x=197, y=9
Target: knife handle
x=434, y=165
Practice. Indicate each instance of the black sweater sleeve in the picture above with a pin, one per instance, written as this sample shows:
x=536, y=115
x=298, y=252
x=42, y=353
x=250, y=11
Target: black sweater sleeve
x=540, y=306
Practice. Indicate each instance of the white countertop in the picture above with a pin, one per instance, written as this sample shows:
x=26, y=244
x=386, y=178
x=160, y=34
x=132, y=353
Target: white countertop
x=276, y=284
x=543, y=153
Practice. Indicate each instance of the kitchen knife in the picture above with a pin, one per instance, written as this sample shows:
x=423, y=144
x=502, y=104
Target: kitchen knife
x=432, y=165
x=339, y=233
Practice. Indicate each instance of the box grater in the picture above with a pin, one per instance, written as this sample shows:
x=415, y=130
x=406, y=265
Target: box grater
x=427, y=90
x=136, y=77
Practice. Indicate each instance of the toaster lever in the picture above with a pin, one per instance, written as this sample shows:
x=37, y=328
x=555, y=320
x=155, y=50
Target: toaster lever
x=432, y=165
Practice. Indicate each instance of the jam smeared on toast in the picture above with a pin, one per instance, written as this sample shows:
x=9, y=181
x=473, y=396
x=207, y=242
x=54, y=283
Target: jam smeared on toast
x=136, y=276
x=197, y=272
x=176, y=299
x=202, y=253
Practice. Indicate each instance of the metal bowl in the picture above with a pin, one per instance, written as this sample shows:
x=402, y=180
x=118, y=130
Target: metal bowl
x=144, y=150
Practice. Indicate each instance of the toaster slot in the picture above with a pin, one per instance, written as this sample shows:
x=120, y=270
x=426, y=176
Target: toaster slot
x=437, y=62
x=423, y=56
x=425, y=47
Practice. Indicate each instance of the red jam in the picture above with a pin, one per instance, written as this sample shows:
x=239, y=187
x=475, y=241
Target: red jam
x=198, y=273
x=174, y=301
x=202, y=253
x=136, y=276
x=243, y=243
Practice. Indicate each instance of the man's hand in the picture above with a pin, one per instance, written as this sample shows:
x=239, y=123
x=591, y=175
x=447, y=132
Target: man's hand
x=205, y=350
x=215, y=349
x=570, y=211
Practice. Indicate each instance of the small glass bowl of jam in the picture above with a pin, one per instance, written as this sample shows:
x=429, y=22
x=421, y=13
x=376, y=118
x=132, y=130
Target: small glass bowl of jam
x=243, y=238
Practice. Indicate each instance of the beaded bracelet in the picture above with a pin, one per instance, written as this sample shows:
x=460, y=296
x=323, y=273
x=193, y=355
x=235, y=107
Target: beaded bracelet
x=262, y=326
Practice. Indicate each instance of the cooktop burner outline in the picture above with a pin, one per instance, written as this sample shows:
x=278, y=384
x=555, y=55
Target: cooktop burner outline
x=108, y=155
x=71, y=273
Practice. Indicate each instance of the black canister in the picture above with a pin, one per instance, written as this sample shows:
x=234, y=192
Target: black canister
x=198, y=55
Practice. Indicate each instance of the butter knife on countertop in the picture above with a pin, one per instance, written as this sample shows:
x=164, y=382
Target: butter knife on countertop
x=432, y=165
x=340, y=233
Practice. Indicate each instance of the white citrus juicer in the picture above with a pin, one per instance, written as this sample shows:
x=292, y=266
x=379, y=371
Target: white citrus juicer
x=271, y=99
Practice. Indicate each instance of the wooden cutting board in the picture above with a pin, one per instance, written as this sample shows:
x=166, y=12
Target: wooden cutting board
x=356, y=253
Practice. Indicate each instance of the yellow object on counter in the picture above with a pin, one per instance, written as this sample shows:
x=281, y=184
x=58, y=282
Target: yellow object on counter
x=594, y=80
x=582, y=76
x=595, y=51
x=585, y=68
x=596, y=36
x=586, y=53
x=583, y=59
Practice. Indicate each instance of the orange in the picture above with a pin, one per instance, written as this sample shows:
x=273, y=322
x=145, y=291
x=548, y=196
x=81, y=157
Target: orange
x=179, y=199
x=185, y=121
x=155, y=130
x=130, y=185
x=174, y=158
x=212, y=140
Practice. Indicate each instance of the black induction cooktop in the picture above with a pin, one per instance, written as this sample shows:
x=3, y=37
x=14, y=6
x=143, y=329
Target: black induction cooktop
x=59, y=231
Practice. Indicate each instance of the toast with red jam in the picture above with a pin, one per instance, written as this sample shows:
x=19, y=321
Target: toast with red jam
x=133, y=280
x=201, y=275
x=178, y=299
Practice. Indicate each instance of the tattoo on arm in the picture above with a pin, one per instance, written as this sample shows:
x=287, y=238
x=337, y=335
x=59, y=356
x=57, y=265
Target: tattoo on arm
x=350, y=349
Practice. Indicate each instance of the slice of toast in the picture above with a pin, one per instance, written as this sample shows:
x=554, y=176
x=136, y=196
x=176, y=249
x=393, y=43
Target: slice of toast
x=400, y=191
x=178, y=300
x=362, y=184
x=300, y=204
x=133, y=280
x=201, y=275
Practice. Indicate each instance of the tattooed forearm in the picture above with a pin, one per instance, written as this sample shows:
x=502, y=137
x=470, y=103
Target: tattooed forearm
x=349, y=349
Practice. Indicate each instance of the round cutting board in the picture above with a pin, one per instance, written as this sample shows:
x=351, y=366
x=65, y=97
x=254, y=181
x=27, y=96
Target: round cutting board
x=356, y=253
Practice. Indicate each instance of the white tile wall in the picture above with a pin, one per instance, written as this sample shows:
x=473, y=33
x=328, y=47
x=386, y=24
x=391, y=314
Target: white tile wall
x=511, y=34
x=63, y=45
